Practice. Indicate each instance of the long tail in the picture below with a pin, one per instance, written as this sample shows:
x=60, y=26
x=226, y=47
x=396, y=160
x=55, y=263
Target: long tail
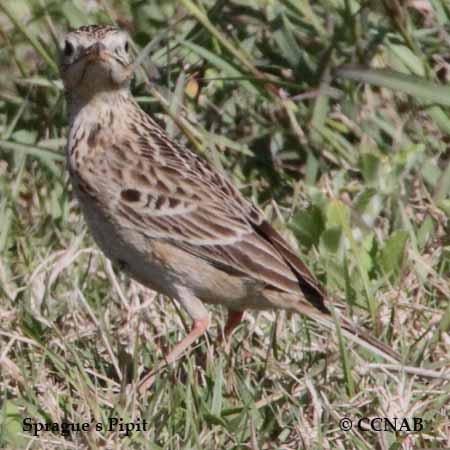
x=312, y=300
x=365, y=339
x=350, y=330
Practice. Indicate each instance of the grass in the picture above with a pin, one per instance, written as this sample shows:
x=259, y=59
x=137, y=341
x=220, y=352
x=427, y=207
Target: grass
x=333, y=117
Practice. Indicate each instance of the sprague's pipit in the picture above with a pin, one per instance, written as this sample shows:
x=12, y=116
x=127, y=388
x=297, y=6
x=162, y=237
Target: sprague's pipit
x=174, y=222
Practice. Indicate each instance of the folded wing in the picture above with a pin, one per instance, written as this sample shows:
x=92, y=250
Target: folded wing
x=170, y=193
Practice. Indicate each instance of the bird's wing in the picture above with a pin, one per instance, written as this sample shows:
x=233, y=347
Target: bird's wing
x=167, y=192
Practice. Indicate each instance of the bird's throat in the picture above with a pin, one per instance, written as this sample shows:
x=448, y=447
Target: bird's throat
x=98, y=105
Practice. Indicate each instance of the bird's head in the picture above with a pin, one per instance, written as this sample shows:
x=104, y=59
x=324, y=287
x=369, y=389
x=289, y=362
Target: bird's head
x=95, y=59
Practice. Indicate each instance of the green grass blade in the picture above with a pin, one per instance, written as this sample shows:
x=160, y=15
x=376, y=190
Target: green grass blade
x=31, y=39
x=239, y=54
x=409, y=84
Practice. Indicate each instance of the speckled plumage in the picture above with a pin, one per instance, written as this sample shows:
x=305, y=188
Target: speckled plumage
x=173, y=221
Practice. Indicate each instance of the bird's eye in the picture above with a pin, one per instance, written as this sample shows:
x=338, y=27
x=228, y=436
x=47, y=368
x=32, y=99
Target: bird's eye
x=127, y=46
x=68, y=49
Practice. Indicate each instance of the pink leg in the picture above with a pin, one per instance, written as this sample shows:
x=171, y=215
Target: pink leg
x=199, y=327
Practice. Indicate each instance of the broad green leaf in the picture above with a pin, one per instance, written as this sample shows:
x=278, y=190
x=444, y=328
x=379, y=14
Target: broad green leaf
x=308, y=225
x=370, y=167
x=11, y=433
x=363, y=199
x=392, y=254
x=24, y=136
x=425, y=232
x=337, y=213
x=332, y=239
x=431, y=172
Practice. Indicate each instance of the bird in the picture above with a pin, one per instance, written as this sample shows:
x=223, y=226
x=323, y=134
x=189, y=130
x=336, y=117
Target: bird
x=168, y=217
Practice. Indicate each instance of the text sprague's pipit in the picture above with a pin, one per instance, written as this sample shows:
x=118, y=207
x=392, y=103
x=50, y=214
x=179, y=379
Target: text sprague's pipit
x=169, y=218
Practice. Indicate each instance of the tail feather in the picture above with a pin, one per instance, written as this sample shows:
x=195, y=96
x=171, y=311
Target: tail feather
x=362, y=337
x=313, y=300
x=350, y=330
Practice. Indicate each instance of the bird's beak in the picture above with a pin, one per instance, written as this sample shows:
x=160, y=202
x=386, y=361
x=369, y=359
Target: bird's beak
x=96, y=52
